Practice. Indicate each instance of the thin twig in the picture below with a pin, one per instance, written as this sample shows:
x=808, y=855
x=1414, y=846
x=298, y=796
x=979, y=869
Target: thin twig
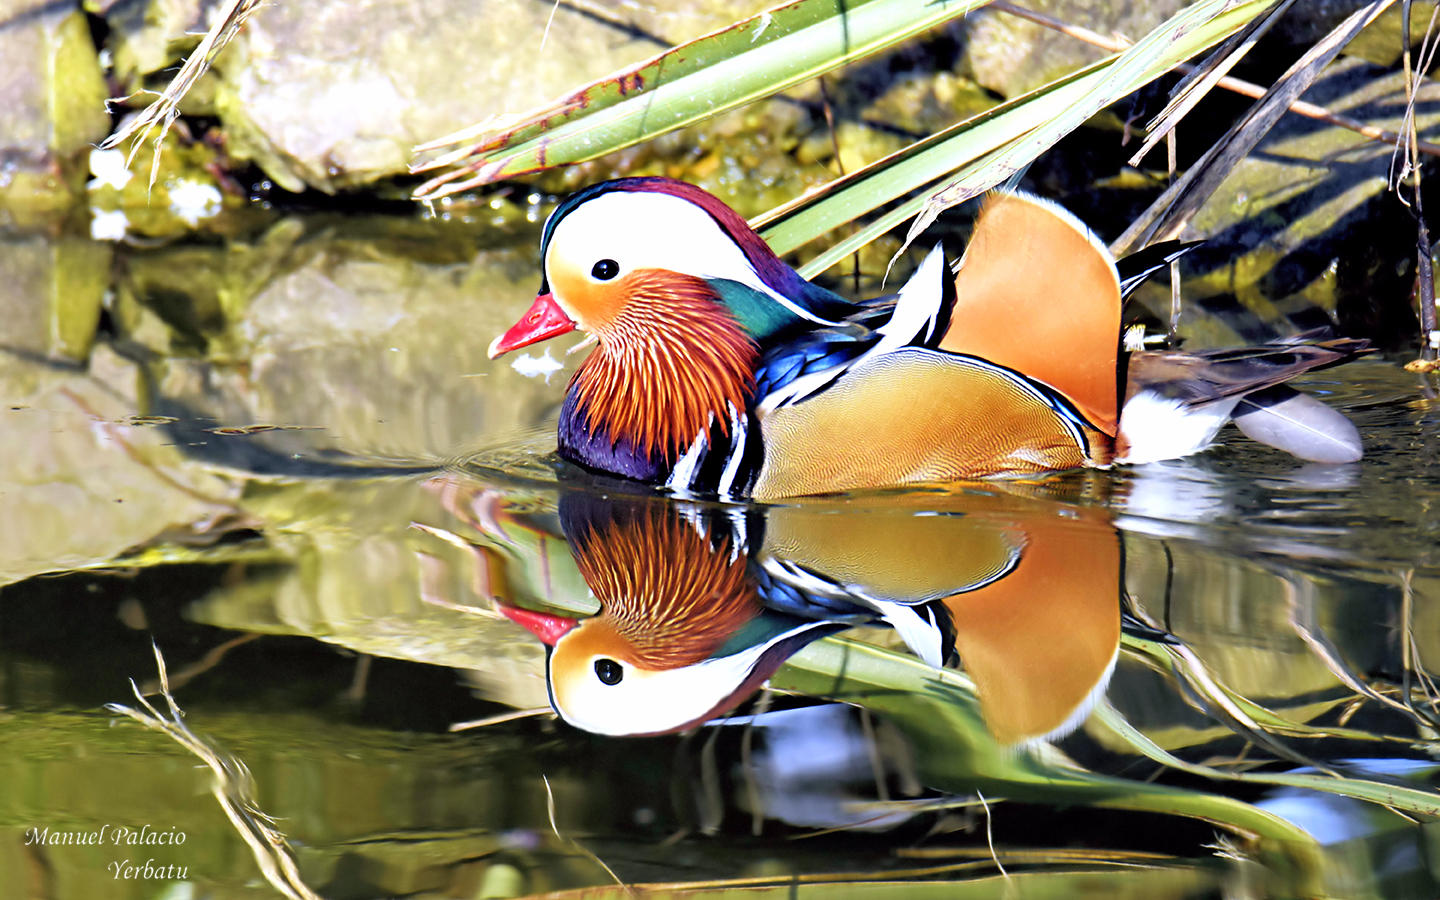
x=359, y=680
x=1424, y=267
x=550, y=808
x=990, y=837
x=503, y=717
x=1303, y=620
x=1410, y=652
x=164, y=111
x=210, y=660
x=877, y=765
x=231, y=785
x=839, y=163
x=711, y=800
x=1172, y=164
x=548, y=22
x=1202, y=78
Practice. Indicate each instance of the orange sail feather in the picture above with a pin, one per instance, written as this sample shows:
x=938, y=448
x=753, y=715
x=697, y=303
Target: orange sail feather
x=1037, y=293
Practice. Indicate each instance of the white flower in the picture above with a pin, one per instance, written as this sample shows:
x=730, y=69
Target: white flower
x=193, y=201
x=108, y=167
x=108, y=225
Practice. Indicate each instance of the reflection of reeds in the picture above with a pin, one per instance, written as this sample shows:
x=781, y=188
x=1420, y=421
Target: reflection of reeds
x=210, y=660
x=1254, y=722
x=1396, y=797
x=1070, y=876
x=1410, y=651
x=555, y=827
x=1306, y=624
x=232, y=786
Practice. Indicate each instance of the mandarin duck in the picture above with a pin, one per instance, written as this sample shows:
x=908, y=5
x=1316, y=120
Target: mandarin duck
x=721, y=371
x=699, y=607
x=1032, y=592
x=686, y=631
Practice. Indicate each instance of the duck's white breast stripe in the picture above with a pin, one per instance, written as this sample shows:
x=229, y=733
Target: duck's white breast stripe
x=739, y=433
x=739, y=531
x=682, y=476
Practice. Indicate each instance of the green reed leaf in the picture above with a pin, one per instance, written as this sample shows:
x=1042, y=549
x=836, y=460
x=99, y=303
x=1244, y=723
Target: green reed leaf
x=1417, y=800
x=752, y=59
x=940, y=712
x=987, y=149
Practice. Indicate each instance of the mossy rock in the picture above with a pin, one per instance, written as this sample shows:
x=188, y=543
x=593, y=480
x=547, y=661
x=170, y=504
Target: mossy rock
x=52, y=107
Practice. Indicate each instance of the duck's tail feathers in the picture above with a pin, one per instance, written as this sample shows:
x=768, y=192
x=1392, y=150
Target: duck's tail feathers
x=1298, y=424
x=1155, y=426
x=917, y=316
x=1175, y=403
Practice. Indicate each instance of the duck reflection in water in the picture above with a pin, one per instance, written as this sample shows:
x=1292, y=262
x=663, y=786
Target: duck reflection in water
x=700, y=605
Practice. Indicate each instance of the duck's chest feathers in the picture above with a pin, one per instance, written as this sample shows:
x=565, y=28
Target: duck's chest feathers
x=592, y=447
x=666, y=395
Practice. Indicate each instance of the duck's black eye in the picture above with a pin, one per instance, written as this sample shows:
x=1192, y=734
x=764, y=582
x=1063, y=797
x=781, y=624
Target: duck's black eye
x=608, y=671
x=605, y=270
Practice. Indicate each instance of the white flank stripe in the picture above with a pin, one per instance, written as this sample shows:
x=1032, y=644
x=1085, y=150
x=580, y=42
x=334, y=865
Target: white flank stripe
x=917, y=307
x=801, y=579
x=920, y=632
x=694, y=516
x=797, y=390
x=916, y=311
x=739, y=530
x=738, y=429
x=682, y=476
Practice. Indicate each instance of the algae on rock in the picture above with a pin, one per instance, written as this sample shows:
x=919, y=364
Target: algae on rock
x=52, y=106
x=190, y=192
x=54, y=291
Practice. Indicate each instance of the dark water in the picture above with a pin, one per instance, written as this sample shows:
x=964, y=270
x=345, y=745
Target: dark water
x=284, y=458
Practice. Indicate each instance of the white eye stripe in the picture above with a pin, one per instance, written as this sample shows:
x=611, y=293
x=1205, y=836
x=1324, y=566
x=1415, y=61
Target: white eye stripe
x=655, y=701
x=647, y=230
x=650, y=230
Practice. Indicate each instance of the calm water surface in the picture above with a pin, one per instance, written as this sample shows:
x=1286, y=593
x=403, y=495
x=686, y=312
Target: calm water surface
x=284, y=459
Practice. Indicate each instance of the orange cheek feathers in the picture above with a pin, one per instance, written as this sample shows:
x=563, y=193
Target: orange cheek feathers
x=595, y=306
